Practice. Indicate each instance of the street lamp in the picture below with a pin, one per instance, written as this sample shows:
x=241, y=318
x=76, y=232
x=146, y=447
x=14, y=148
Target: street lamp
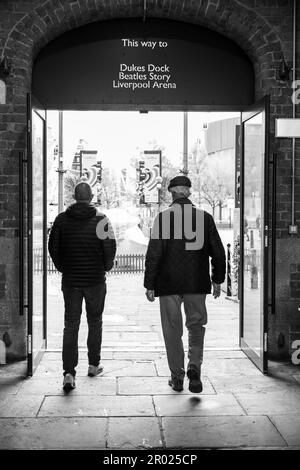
x=159, y=181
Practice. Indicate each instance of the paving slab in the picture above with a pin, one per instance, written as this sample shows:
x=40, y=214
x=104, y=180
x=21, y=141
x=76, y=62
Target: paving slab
x=20, y=407
x=117, y=319
x=137, y=355
x=155, y=386
x=219, y=353
x=76, y=405
x=283, y=369
x=162, y=367
x=139, y=337
x=128, y=328
x=109, y=337
x=49, y=433
x=82, y=354
x=197, y=405
x=221, y=341
x=216, y=367
x=113, y=368
x=229, y=367
x=134, y=369
x=223, y=384
x=289, y=428
x=134, y=433
x=136, y=314
x=9, y=386
x=53, y=386
x=15, y=369
x=221, y=432
x=54, y=368
x=135, y=345
x=270, y=403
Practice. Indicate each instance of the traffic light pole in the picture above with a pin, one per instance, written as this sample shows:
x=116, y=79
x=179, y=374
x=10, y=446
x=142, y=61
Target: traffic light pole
x=160, y=181
x=185, y=143
x=60, y=169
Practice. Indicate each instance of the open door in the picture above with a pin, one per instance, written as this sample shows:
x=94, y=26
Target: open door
x=35, y=232
x=254, y=234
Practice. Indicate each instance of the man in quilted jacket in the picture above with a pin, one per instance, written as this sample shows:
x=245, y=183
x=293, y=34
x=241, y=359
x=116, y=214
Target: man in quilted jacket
x=82, y=246
x=184, y=243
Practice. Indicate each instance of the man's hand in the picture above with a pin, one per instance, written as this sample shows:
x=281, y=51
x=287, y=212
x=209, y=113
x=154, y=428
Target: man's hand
x=150, y=295
x=216, y=290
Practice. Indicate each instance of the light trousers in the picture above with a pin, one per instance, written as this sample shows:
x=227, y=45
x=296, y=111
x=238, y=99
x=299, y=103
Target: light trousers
x=172, y=327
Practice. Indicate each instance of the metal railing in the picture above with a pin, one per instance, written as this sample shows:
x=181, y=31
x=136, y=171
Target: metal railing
x=128, y=264
x=131, y=263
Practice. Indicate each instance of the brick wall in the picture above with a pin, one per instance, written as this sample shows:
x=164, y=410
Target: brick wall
x=263, y=28
x=295, y=281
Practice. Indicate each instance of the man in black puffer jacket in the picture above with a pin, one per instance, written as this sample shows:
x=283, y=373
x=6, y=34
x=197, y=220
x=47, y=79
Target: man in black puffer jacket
x=83, y=247
x=183, y=240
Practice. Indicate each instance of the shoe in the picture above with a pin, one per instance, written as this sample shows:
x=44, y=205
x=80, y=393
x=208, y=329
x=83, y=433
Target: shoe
x=94, y=370
x=195, y=385
x=69, y=382
x=176, y=384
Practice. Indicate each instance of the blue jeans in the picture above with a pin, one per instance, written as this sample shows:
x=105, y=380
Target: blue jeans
x=94, y=301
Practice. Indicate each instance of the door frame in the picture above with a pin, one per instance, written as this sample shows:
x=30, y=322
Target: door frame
x=262, y=106
x=33, y=106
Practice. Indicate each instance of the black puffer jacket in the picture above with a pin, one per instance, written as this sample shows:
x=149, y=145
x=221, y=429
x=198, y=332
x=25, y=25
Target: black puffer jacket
x=171, y=268
x=76, y=250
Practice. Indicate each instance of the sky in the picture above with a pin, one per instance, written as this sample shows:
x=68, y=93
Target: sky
x=119, y=135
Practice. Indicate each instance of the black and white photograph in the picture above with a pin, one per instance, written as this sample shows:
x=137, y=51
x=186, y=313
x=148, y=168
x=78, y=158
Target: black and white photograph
x=149, y=229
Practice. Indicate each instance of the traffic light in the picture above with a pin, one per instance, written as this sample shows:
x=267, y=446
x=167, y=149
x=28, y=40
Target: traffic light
x=142, y=172
x=99, y=176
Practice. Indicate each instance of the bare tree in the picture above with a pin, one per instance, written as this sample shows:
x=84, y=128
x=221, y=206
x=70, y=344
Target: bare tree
x=211, y=175
x=70, y=180
x=110, y=194
x=215, y=193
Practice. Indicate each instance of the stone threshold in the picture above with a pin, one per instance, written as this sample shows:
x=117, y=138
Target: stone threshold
x=133, y=349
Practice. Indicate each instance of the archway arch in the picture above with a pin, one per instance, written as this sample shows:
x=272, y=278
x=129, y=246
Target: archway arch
x=229, y=17
x=161, y=63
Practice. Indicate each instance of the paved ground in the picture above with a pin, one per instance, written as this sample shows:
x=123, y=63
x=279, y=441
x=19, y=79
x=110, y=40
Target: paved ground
x=131, y=322
x=131, y=406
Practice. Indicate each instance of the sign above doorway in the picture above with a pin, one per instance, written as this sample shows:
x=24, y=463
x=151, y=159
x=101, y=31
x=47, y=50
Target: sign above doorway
x=127, y=63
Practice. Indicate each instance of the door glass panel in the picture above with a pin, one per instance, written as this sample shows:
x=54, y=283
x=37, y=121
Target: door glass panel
x=253, y=232
x=37, y=233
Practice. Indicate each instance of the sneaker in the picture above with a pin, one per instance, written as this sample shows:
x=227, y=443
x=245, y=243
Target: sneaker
x=69, y=382
x=195, y=385
x=176, y=384
x=94, y=370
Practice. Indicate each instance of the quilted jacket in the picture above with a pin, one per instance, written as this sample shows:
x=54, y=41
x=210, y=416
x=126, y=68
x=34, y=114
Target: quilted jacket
x=171, y=268
x=77, y=252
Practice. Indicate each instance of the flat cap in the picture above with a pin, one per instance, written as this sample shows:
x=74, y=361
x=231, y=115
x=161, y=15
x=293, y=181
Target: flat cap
x=180, y=181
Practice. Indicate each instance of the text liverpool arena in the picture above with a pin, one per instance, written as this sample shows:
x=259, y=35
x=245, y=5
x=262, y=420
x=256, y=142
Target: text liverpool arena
x=135, y=76
x=148, y=84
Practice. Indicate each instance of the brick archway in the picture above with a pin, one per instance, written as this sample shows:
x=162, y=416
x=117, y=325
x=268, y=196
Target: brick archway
x=231, y=18
x=26, y=27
